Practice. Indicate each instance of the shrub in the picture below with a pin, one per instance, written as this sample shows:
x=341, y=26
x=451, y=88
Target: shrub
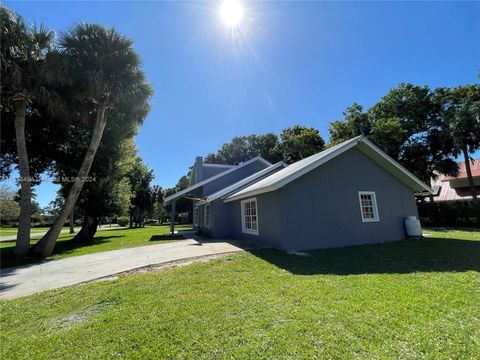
x=123, y=220
x=450, y=213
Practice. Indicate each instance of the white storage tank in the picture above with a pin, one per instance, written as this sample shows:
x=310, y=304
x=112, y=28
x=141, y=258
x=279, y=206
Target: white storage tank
x=413, y=227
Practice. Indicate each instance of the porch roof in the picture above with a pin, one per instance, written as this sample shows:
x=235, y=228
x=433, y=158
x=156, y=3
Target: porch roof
x=243, y=183
x=188, y=190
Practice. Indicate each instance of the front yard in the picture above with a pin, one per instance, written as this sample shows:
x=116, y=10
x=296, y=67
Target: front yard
x=404, y=300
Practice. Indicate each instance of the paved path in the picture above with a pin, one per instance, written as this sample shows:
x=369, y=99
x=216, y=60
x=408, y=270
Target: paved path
x=35, y=234
x=29, y=279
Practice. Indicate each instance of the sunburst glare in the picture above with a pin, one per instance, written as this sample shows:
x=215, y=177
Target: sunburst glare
x=231, y=13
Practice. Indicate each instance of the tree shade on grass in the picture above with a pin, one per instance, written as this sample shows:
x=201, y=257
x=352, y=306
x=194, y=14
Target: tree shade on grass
x=104, y=241
x=410, y=299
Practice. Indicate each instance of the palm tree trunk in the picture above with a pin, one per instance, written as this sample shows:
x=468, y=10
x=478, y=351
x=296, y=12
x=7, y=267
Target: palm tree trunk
x=22, y=245
x=72, y=221
x=45, y=246
x=469, y=173
x=89, y=228
x=137, y=217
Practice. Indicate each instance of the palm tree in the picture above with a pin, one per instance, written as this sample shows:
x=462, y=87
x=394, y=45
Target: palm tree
x=461, y=112
x=23, y=54
x=105, y=71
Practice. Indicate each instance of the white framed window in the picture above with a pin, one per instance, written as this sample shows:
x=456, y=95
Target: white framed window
x=208, y=216
x=196, y=215
x=368, y=206
x=249, y=216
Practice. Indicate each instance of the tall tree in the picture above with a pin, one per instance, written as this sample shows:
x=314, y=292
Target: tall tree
x=106, y=195
x=404, y=124
x=105, y=71
x=23, y=54
x=9, y=208
x=299, y=142
x=141, y=202
x=460, y=115
x=243, y=148
x=355, y=119
x=157, y=199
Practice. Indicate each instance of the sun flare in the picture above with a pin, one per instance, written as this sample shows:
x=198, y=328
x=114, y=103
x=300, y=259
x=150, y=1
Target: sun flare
x=231, y=13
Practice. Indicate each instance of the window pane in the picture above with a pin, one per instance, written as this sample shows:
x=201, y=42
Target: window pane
x=249, y=215
x=368, y=207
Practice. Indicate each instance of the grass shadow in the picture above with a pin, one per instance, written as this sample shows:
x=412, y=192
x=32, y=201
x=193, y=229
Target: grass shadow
x=407, y=256
x=166, y=237
x=66, y=247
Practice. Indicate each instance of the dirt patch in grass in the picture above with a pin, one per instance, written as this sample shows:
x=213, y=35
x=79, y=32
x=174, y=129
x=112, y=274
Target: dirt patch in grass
x=68, y=321
x=164, y=266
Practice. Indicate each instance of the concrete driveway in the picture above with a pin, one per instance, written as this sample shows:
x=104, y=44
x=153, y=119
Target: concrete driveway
x=29, y=279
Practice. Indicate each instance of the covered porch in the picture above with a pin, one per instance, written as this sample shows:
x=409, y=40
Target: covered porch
x=192, y=193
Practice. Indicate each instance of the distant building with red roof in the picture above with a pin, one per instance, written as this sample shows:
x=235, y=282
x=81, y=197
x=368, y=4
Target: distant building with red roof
x=448, y=188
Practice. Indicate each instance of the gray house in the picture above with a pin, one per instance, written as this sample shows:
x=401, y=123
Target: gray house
x=350, y=194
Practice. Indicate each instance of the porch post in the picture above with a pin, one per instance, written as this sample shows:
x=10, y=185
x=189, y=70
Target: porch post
x=172, y=217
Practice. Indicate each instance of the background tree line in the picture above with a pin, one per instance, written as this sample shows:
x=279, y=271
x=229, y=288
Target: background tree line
x=422, y=129
x=293, y=144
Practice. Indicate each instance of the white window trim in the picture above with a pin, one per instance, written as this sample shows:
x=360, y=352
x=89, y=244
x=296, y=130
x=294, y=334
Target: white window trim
x=209, y=207
x=374, y=204
x=196, y=216
x=242, y=209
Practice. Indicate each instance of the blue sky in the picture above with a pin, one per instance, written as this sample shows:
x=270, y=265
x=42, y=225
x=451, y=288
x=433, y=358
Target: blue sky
x=288, y=63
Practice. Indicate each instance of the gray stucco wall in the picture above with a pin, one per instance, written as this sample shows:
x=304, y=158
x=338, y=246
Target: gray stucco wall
x=321, y=209
x=221, y=212
x=269, y=217
x=220, y=220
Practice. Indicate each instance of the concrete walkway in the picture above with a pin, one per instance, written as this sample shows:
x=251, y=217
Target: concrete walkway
x=29, y=279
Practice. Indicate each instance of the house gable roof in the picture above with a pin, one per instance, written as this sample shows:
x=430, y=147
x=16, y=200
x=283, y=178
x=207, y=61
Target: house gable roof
x=210, y=179
x=217, y=165
x=243, y=183
x=302, y=167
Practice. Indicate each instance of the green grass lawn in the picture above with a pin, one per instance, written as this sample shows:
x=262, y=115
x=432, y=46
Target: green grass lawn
x=10, y=231
x=415, y=299
x=104, y=241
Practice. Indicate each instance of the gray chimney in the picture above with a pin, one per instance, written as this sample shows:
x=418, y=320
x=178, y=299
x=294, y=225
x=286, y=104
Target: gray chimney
x=198, y=169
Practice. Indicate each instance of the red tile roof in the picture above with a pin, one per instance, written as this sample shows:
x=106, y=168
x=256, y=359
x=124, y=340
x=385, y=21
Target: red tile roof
x=474, y=166
x=448, y=193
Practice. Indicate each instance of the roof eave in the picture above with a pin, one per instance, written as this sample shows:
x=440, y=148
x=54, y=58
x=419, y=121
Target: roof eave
x=250, y=194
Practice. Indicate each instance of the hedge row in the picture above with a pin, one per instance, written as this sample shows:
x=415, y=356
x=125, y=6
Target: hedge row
x=450, y=213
